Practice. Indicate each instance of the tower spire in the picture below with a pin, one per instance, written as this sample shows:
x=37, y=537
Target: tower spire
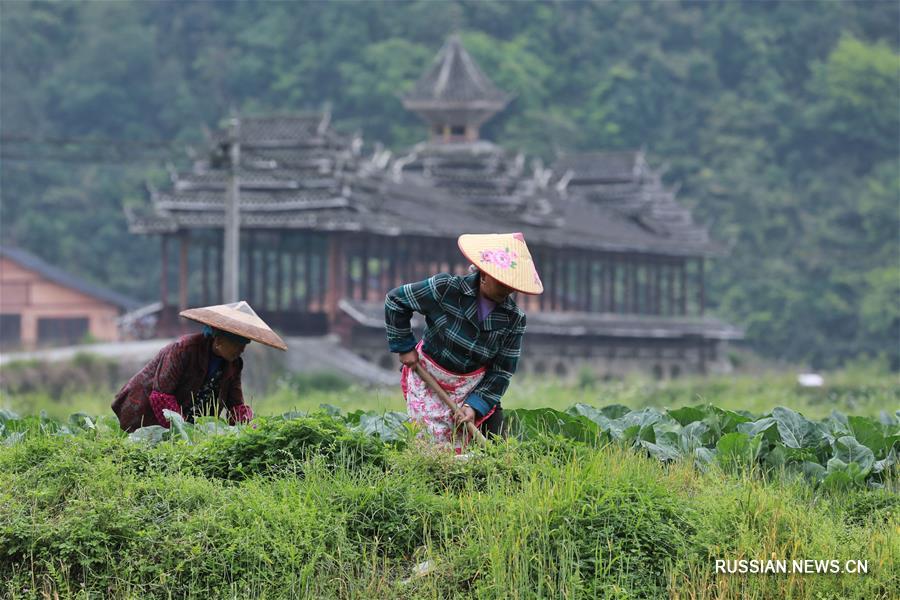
x=454, y=96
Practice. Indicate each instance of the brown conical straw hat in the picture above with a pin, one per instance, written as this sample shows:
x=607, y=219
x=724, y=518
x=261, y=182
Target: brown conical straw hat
x=505, y=257
x=237, y=318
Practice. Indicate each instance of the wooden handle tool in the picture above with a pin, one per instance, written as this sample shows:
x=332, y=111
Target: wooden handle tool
x=437, y=389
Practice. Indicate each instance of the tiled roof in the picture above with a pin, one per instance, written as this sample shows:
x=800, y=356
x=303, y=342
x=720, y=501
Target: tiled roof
x=607, y=167
x=435, y=190
x=277, y=131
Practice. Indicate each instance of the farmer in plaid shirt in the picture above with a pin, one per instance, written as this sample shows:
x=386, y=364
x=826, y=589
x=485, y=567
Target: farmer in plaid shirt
x=473, y=334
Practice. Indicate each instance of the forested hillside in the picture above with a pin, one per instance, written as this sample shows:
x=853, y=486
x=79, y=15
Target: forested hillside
x=780, y=122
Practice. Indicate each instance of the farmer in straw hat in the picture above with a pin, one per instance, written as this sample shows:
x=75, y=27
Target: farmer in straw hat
x=473, y=334
x=199, y=374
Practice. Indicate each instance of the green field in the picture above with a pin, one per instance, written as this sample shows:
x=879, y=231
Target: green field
x=579, y=504
x=88, y=383
x=308, y=507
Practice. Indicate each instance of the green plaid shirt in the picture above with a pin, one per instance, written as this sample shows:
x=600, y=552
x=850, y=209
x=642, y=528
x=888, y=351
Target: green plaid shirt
x=454, y=337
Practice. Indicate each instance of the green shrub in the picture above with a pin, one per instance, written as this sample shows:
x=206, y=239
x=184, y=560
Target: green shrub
x=878, y=507
x=392, y=512
x=276, y=445
x=629, y=537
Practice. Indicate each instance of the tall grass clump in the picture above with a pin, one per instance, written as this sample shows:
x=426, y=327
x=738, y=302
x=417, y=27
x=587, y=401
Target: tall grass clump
x=311, y=507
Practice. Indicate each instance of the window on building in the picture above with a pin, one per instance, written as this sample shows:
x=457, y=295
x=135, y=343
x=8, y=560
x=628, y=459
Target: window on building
x=458, y=130
x=70, y=330
x=10, y=329
x=438, y=130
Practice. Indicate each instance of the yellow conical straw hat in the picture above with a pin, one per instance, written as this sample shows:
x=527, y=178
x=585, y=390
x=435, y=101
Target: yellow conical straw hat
x=505, y=257
x=237, y=318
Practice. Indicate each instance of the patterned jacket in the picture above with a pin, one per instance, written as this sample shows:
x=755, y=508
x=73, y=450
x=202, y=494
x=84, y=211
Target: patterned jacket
x=454, y=337
x=178, y=372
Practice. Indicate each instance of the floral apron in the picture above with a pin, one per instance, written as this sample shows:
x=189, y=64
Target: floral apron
x=426, y=408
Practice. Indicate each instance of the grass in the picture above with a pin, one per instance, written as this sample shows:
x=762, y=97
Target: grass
x=857, y=392
x=315, y=511
x=95, y=516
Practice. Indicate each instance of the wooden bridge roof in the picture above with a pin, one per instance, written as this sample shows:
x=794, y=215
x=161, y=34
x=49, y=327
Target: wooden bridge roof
x=297, y=173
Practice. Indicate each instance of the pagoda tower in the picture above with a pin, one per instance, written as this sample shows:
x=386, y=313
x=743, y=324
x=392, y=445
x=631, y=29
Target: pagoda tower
x=454, y=96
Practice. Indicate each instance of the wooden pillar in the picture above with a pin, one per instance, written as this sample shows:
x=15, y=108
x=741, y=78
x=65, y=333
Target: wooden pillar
x=647, y=299
x=636, y=270
x=657, y=287
x=613, y=272
x=670, y=288
x=589, y=281
x=425, y=251
x=416, y=262
x=381, y=254
x=598, y=274
x=183, y=271
x=204, y=273
x=364, y=271
x=349, y=260
x=266, y=290
x=422, y=267
x=554, y=278
x=403, y=258
x=279, y=275
x=308, y=282
x=701, y=284
x=393, y=255
x=334, y=289
x=540, y=262
x=572, y=276
x=449, y=262
x=164, y=271
x=410, y=270
x=251, y=268
x=386, y=264
x=572, y=272
x=323, y=254
x=627, y=289
x=639, y=288
x=584, y=283
x=644, y=286
x=219, y=260
x=292, y=295
x=587, y=270
x=571, y=269
x=636, y=286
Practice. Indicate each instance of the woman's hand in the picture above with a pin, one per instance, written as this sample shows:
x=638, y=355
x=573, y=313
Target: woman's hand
x=465, y=414
x=410, y=358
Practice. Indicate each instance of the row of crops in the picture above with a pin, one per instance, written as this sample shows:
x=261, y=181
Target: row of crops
x=837, y=452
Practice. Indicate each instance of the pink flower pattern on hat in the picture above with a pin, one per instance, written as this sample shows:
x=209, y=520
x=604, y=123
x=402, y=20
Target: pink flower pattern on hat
x=500, y=257
x=504, y=256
